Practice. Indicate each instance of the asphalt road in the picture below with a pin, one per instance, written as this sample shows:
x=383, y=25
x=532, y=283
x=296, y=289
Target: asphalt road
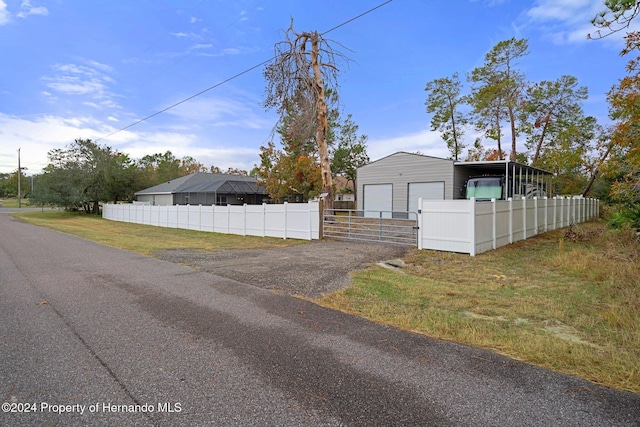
x=91, y=335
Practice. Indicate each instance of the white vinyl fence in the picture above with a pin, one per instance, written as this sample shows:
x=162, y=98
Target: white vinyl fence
x=472, y=227
x=286, y=221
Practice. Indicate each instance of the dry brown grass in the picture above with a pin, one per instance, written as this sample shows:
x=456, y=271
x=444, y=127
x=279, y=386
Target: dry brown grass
x=568, y=300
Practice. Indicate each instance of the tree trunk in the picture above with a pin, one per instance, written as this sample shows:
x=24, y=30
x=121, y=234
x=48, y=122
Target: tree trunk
x=499, y=137
x=321, y=131
x=547, y=120
x=513, y=135
x=453, y=127
x=595, y=172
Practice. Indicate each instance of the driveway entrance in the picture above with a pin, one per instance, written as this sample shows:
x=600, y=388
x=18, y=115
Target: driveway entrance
x=373, y=226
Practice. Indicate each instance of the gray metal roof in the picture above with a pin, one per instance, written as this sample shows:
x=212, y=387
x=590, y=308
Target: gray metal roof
x=202, y=182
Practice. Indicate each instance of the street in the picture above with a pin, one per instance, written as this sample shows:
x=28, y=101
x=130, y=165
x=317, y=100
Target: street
x=93, y=335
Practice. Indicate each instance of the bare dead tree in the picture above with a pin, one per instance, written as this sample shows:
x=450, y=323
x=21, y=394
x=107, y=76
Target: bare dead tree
x=297, y=80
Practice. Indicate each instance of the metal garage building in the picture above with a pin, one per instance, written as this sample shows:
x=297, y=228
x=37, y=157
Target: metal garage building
x=396, y=182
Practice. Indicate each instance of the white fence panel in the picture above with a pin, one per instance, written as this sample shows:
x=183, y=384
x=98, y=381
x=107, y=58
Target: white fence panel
x=206, y=218
x=472, y=227
x=255, y=222
x=275, y=221
x=193, y=217
x=183, y=216
x=530, y=217
x=163, y=216
x=172, y=217
x=502, y=223
x=517, y=220
x=237, y=220
x=299, y=218
x=447, y=225
x=291, y=220
x=484, y=226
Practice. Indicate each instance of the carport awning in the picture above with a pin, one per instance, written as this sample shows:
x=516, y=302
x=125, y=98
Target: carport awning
x=499, y=167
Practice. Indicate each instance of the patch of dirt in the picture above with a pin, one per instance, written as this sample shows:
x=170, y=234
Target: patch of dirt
x=310, y=270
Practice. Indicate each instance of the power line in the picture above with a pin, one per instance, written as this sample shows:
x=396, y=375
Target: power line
x=235, y=76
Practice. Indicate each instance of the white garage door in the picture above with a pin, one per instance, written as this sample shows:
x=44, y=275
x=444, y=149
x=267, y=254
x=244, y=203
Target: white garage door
x=426, y=190
x=378, y=197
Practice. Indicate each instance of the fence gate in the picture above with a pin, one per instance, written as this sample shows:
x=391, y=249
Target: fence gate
x=372, y=226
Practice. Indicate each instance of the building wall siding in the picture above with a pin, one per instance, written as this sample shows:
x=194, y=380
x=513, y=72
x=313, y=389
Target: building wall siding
x=156, y=199
x=400, y=169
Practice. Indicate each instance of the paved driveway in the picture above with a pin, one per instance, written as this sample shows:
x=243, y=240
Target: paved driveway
x=92, y=335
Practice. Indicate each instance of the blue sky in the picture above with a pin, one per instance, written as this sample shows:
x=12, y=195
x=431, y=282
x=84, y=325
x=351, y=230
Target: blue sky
x=84, y=69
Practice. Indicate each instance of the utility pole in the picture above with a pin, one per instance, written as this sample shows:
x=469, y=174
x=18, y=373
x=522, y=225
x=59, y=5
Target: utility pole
x=19, y=173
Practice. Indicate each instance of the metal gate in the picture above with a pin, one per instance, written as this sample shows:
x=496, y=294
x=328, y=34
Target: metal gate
x=372, y=226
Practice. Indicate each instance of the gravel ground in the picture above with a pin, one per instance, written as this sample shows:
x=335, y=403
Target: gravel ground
x=311, y=270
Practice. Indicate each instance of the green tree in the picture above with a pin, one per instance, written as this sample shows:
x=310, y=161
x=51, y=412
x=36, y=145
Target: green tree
x=284, y=174
x=84, y=174
x=624, y=99
x=616, y=17
x=443, y=103
x=9, y=184
x=550, y=108
x=498, y=89
x=351, y=152
x=160, y=167
x=569, y=158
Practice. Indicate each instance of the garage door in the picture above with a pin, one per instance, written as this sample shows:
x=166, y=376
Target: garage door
x=378, y=197
x=426, y=190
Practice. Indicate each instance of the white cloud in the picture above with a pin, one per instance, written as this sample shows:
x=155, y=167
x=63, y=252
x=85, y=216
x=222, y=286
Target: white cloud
x=89, y=81
x=4, y=13
x=28, y=9
x=222, y=112
x=568, y=21
x=425, y=141
x=564, y=10
x=37, y=137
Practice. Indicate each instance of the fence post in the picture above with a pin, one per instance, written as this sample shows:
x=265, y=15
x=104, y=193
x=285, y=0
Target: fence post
x=309, y=222
x=535, y=215
x=244, y=222
x=420, y=221
x=524, y=218
x=494, y=221
x=286, y=209
x=510, y=200
x=472, y=226
x=321, y=218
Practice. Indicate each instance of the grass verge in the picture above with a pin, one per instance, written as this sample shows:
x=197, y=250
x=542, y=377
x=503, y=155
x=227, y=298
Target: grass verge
x=568, y=300
x=13, y=203
x=144, y=239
